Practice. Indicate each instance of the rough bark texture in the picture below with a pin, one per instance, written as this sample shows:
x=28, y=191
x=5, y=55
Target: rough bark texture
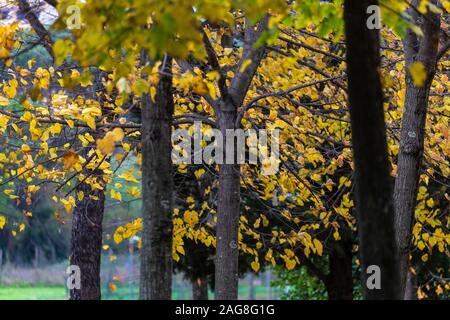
x=226, y=260
x=86, y=242
x=373, y=195
x=340, y=278
x=226, y=269
x=200, y=289
x=411, y=286
x=425, y=51
x=157, y=187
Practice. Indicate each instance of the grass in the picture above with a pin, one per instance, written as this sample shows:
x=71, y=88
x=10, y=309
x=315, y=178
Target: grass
x=49, y=292
x=37, y=292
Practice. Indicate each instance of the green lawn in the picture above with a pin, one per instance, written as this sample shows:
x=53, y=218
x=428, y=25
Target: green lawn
x=45, y=292
x=32, y=292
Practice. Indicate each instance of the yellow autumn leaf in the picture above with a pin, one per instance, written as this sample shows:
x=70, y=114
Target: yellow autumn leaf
x=446, y=5
x=117, y=134
x=244, y=65
x=112, y=287
x=3, y=121
x=319, y=247
x=69, y=204
x=116, y=195
x=422, y=8
x=128, y=176
x=2, y=222
x=70, y=158
x=290, y=264
x=255, y=265
x=153, y=93
x=106, y=144
x=418, y=73
x=117, y=237
x=200, y=87
x=180, y=249
x=175, y=256
x=191, y=217
x=135, y=192
x=199, y=173
x=439, y=290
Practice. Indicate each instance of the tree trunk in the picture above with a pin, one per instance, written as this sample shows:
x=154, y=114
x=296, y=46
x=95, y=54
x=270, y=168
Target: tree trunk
x=200, y=289
x=86, y=242
x=425, y=51
x=157, y=187
x=411, y=286
x=340, y=279
x=227, y=252
x=373, y=195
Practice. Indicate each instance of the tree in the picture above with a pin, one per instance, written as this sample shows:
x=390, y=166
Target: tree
x=421, y=54
x=157, y=188
x=228, y=209
x=86, y=240
x=374, y=203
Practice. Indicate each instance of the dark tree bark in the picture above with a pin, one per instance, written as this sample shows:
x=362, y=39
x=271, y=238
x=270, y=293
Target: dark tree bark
x=228, y=210
x=425, y=51
x=374, y=203
x=339, y=282
x=226, y=268
x=411, y=286
x=200, y=289
x=157, y=187
x=86, y=242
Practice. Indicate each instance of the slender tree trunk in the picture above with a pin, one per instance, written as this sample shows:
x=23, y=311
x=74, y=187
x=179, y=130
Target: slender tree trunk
x=226, y=268
x=200, y=289
x=157, y=187
x=374, y=203
x=340, y=278
x=86, y=242
x=227, y=252
x=423, y=50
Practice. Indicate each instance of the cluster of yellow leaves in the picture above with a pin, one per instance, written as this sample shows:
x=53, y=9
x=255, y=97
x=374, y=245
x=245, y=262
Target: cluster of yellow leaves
x=8, y=41
x=107, y=144
x=197, y=83
x=127, y=231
